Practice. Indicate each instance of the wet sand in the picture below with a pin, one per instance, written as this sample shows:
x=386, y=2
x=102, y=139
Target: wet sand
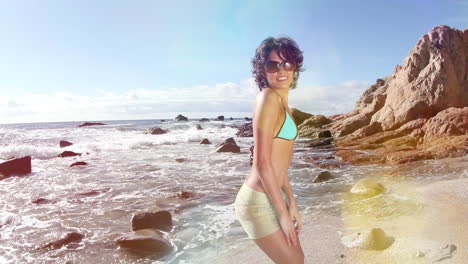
x=436, y=234
x=421, y=238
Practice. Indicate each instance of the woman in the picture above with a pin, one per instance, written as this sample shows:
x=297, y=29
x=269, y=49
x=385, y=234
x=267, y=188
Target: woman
x=265, y=204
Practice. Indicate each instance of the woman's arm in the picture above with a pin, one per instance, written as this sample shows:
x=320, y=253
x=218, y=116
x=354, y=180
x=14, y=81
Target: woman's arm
x=287, y=185
x=267, y=110
x=288, y=190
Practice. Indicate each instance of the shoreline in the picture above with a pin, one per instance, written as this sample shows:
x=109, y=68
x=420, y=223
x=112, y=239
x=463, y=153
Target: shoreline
x=418, y=238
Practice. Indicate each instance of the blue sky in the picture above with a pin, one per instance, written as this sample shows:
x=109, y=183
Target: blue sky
x=111, y=60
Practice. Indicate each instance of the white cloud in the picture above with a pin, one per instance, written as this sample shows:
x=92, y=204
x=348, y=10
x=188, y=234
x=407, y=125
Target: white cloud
x=328, y=100
x=132, y=104
x=229, y=99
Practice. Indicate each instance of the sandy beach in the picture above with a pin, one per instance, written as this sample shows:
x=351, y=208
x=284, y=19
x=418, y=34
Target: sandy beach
x=435, y=233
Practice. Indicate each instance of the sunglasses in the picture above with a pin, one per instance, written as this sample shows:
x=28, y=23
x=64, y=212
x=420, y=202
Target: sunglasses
x=274, y=66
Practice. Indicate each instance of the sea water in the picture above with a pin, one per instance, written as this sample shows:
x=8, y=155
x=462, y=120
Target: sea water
x=132, y=172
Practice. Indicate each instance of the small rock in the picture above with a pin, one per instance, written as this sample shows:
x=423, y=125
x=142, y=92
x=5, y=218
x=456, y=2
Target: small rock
x=69, y=238
x=444, y=252
x=375, y=239
x=228, y=148
x=323, y=176
x=181, y=118
x=68, y=154
x=199, y=127
x=185, y=195
x=227, y=141
x=181, y=160
x=205, y=141
x=91, y=124
x=79, y=163
x=41, y=201
x=156, y=131
x=64, y=143
x=367, y=187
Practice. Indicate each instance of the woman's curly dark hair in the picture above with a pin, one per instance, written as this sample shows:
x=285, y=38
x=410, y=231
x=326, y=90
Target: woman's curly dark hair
x=286, y=47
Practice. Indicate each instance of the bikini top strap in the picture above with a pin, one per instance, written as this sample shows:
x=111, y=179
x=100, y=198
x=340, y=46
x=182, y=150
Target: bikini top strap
x=281, y=98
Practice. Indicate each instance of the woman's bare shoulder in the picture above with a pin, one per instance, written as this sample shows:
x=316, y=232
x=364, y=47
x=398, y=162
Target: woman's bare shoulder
x=267, y=109
x=267, y=98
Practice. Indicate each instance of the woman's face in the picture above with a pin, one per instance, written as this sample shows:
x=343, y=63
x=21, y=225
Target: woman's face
x=277, y=79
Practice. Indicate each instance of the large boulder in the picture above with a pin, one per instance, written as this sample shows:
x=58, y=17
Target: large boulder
x=145, y=242
x=161, y=220
x=20, y=166
x=229, y=145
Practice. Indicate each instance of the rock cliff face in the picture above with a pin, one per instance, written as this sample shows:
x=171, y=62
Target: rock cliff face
x=420, y=111
x=433, y=77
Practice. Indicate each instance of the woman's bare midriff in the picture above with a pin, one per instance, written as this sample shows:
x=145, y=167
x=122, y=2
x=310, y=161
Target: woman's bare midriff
x=280, y=163
x=281, y=156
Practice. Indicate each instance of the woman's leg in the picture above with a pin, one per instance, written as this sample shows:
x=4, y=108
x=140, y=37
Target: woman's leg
x=276, y=248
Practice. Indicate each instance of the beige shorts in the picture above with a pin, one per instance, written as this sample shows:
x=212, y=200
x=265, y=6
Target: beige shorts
x=256, y=213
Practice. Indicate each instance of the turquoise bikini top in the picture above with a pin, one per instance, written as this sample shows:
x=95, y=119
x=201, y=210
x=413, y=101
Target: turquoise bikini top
x=288, y=130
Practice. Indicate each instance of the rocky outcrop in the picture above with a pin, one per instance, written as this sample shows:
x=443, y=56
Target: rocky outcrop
x=181, y=118
x=219, y=118
x=245, y=130
x=313, y=127
x=155, y=131
x=91, y=124
x=433, y=77
x=418, y=112
x=299, y=116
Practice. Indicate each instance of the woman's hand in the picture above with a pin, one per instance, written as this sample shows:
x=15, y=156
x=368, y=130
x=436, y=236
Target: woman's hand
x=288, y=229
x=294, y=214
